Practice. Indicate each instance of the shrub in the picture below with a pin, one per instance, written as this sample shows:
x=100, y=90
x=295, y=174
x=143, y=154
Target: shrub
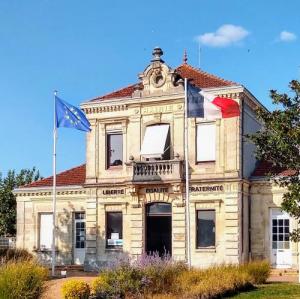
x=155, y=276
x=15, y=255
x=115, y=283
x=147, y=275
x=212, y=282
x=159, y=273
x=76, y=289
x=259, y=271
x=22, y=280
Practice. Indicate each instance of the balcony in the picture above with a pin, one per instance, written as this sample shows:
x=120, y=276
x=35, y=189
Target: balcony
x=157, y=171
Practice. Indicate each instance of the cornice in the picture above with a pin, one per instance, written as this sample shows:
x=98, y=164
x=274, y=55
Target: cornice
x=113, y=105
x=47, y=191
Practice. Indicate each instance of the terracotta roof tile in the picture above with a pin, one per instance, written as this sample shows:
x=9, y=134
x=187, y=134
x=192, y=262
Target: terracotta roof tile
x=121, y=93
x=73, y=176
x=264, y=168
x=198, y=77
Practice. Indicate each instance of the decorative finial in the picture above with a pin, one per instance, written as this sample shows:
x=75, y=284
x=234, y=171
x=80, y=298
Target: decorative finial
x=185, y=58
x=157, y=53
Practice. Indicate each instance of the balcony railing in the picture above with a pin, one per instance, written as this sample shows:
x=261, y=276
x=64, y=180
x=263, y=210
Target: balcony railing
x=157, y=170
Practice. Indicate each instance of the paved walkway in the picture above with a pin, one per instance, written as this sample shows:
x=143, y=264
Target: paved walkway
x=53, y=287
x=283, y=277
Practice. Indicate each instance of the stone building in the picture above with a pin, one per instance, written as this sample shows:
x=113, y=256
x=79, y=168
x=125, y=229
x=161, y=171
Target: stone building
x=129, y=197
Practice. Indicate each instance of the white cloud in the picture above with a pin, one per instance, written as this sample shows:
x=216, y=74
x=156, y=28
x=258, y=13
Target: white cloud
x=286, y=36
x=225, y=36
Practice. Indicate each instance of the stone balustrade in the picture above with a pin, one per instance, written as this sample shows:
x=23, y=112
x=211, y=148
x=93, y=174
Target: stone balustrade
x=163, y=170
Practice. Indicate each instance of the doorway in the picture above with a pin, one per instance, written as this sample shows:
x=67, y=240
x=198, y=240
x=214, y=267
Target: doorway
x=281, y=254
x=79, y=238
x=159, y=228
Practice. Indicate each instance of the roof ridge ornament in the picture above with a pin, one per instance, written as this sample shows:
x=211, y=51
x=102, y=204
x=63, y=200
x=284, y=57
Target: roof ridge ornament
x=157, y=53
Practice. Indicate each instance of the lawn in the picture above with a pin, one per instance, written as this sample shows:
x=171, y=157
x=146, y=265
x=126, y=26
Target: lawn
x=271, y=291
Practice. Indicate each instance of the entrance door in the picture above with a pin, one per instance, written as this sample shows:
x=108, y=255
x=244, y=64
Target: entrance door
x=79, y=238
x=159, y=228
x=281, y=255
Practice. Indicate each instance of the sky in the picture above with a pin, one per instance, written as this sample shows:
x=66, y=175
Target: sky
x=88, y=48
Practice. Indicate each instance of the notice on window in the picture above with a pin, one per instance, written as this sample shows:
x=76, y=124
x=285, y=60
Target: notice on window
x=114, y=236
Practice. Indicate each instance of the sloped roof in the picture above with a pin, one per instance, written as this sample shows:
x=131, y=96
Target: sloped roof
x=73, y=176
x=198, y=77
x=264, y=168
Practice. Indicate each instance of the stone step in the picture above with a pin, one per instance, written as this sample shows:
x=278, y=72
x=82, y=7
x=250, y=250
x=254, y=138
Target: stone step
x=284, y=272
x=70, y=267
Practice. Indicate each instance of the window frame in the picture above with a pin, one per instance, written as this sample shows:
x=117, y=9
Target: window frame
x=196, y=142
x=107, y=148
x=75, y=221
x=107, y=246
x=40, y=214
x=167, y=155
x=197, y=229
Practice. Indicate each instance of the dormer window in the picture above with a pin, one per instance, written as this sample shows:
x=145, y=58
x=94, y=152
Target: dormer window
x=156, y=142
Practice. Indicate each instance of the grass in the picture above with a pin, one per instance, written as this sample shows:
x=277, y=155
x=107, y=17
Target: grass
x=278, y=290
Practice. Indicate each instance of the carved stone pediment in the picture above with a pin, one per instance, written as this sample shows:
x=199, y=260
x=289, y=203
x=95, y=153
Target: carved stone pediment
x=158, y=77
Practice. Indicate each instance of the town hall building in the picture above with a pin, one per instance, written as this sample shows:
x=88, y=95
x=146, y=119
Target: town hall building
x=129, y=197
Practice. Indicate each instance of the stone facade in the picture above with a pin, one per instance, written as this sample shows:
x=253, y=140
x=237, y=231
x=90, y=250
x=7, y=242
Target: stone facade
x=223, y=185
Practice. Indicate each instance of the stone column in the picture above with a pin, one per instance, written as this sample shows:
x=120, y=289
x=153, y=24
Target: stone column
x=137, y=224
x=90, y=263
x=232, y=227
x=178, y=229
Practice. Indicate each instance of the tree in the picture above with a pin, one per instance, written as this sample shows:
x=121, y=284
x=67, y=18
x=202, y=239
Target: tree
x=279, y=144
x=8, y=199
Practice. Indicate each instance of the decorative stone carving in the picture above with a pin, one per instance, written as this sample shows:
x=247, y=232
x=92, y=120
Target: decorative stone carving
x=158, y=78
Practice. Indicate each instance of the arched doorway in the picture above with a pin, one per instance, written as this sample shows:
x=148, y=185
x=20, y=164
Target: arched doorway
x=159, y=228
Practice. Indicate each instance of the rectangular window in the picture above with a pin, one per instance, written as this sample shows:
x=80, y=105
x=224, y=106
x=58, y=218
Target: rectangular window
x=79, y=221
x=114, y=230
x=46, y=220
x=114, y=149
x=206, y=142
x=206, y=228
x=156, y=142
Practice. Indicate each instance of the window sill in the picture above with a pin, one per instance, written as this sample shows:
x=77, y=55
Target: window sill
x=208, y=249
x=113, y=249
x=44, y=250
x=115, y=168
x=205, y=162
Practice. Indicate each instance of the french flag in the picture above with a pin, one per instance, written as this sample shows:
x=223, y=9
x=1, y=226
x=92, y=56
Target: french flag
x=204, y=105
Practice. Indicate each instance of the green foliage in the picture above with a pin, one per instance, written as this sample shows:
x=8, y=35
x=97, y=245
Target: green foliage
x=174, y=280
x=8, y=199
x=280, y=290
x=22, y=280
x=14, y=255
x=76, y=289
x=259, y=271
x=213, y=282
x=137, y=280
x=279, y=143
x=115, y=283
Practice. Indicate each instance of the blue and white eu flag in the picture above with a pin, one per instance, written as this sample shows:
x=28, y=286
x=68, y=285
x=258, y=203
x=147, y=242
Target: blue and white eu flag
x=70, y=117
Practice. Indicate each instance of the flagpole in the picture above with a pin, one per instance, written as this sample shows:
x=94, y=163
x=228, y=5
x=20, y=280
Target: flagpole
x=187, y=183
x=54, y=187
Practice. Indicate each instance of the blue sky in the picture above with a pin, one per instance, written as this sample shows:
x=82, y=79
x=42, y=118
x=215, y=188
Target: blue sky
x=88, y=48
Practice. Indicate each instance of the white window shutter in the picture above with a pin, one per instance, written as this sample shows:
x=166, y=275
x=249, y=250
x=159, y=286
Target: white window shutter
x=206, y=142
x=46, y=221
